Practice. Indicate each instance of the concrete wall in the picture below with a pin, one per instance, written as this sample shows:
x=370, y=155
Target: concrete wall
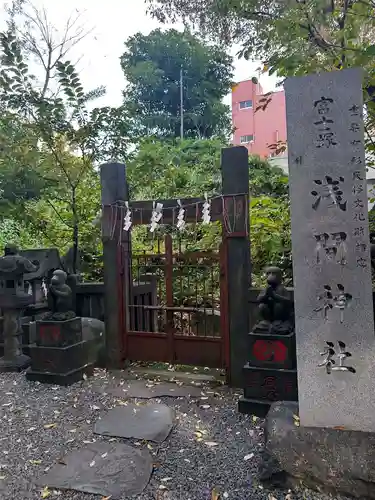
x=267, y=127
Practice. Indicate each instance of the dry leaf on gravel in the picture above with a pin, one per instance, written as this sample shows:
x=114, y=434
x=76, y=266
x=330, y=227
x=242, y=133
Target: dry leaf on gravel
x=50, y=426
x=45, y=492
x=107, y=498
x=211, y=444
x=248, y=457
x=214, y=494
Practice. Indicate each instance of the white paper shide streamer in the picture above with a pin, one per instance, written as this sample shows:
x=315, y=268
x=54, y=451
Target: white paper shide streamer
x=180, y=217
x=127, y=217
x=157, y=213
x=206, y=216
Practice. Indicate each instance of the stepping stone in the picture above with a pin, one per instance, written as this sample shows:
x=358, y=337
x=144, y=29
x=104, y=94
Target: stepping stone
x=145, y=390
x=151, y=422
x=112, y=470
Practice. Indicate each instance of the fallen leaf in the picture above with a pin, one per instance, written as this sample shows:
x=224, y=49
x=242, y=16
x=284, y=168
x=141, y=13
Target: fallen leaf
x=165, y=479
x=162, y=487
x=255, y=418
x=296, y=417
x=35, y=462
x=45, y=492
x=2, y=477
x=205, y=407
x=339, y=428
x=149, y=446
x=211, y=444
x=50, y=426
x=84, y=376
x=107, y=498
x=92, y=463
x=214, y=494
x=248, y=457
x=198, y=434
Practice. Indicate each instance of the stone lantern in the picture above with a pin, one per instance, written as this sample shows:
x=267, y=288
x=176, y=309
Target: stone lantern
x=13, y=300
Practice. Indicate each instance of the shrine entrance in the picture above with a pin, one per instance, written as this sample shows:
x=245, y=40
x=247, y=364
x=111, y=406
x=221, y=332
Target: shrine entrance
x=172, y=286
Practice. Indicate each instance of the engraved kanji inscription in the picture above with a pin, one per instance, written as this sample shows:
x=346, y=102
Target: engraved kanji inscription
x=323, y=105
x=324, y=123
x=331, y=247
x=359, y=231
x=355, y=110
x=361, y=262
x=330, y=363
x=357, y=189
x=341, y=300
x=356, y=160
x=359, y=216
x=354, y=127
x=329, y=190
x=357, y=176
x=326, y=140
x=358, y=203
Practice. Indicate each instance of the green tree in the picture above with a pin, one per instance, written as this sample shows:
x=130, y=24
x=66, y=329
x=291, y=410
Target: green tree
x=173, y=169
x=152, y=65
x=292, y=37
x=61, y=138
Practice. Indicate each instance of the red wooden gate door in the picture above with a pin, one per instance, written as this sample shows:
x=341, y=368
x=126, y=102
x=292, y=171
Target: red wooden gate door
x=176, y=305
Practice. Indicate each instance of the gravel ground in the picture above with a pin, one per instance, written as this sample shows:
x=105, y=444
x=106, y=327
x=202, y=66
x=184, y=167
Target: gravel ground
x=212, y=449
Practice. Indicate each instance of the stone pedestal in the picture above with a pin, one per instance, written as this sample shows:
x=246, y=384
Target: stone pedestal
x=270, y=374
x=335, y=460
x=13, y=359
x=59, y=355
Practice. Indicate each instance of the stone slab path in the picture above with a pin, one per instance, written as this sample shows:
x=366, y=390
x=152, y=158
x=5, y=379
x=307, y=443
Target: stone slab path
x=48, y=444
x=108, y=469
x=152, y=422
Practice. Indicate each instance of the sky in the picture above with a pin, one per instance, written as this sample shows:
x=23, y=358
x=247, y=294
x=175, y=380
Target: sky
x=112, y=22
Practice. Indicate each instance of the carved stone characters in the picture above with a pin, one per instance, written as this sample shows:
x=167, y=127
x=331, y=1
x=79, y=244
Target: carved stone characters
x=275, y=305
x=60, y=298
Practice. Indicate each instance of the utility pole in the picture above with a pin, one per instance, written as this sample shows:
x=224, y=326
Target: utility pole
x=181, y=105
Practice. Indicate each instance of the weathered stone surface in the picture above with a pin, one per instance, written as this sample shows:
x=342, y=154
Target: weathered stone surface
x=109, y=469
x=151, y=422
x=334, y=459
x=93, y=330
x=331, y=257
x=144, y=390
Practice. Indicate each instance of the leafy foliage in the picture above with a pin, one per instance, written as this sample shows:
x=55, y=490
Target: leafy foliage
x=152, y=65
x=172, y=169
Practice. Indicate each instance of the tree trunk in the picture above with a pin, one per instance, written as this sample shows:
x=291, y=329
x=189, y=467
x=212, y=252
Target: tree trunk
x=75, y=231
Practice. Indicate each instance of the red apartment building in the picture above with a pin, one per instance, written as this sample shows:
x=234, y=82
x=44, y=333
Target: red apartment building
x=257, y=129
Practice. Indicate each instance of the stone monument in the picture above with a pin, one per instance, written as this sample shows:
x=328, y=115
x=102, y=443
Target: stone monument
x=333, y=294
x=60, y=355
x=13, y=300
x=333, y=428
x=270, y=373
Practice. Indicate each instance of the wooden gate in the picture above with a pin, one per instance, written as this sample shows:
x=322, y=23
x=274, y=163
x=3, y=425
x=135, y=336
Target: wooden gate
x=176, y=310
x=172, y=301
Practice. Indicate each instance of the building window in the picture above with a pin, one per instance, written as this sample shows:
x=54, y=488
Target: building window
x=244, y=139
x=246, y=104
